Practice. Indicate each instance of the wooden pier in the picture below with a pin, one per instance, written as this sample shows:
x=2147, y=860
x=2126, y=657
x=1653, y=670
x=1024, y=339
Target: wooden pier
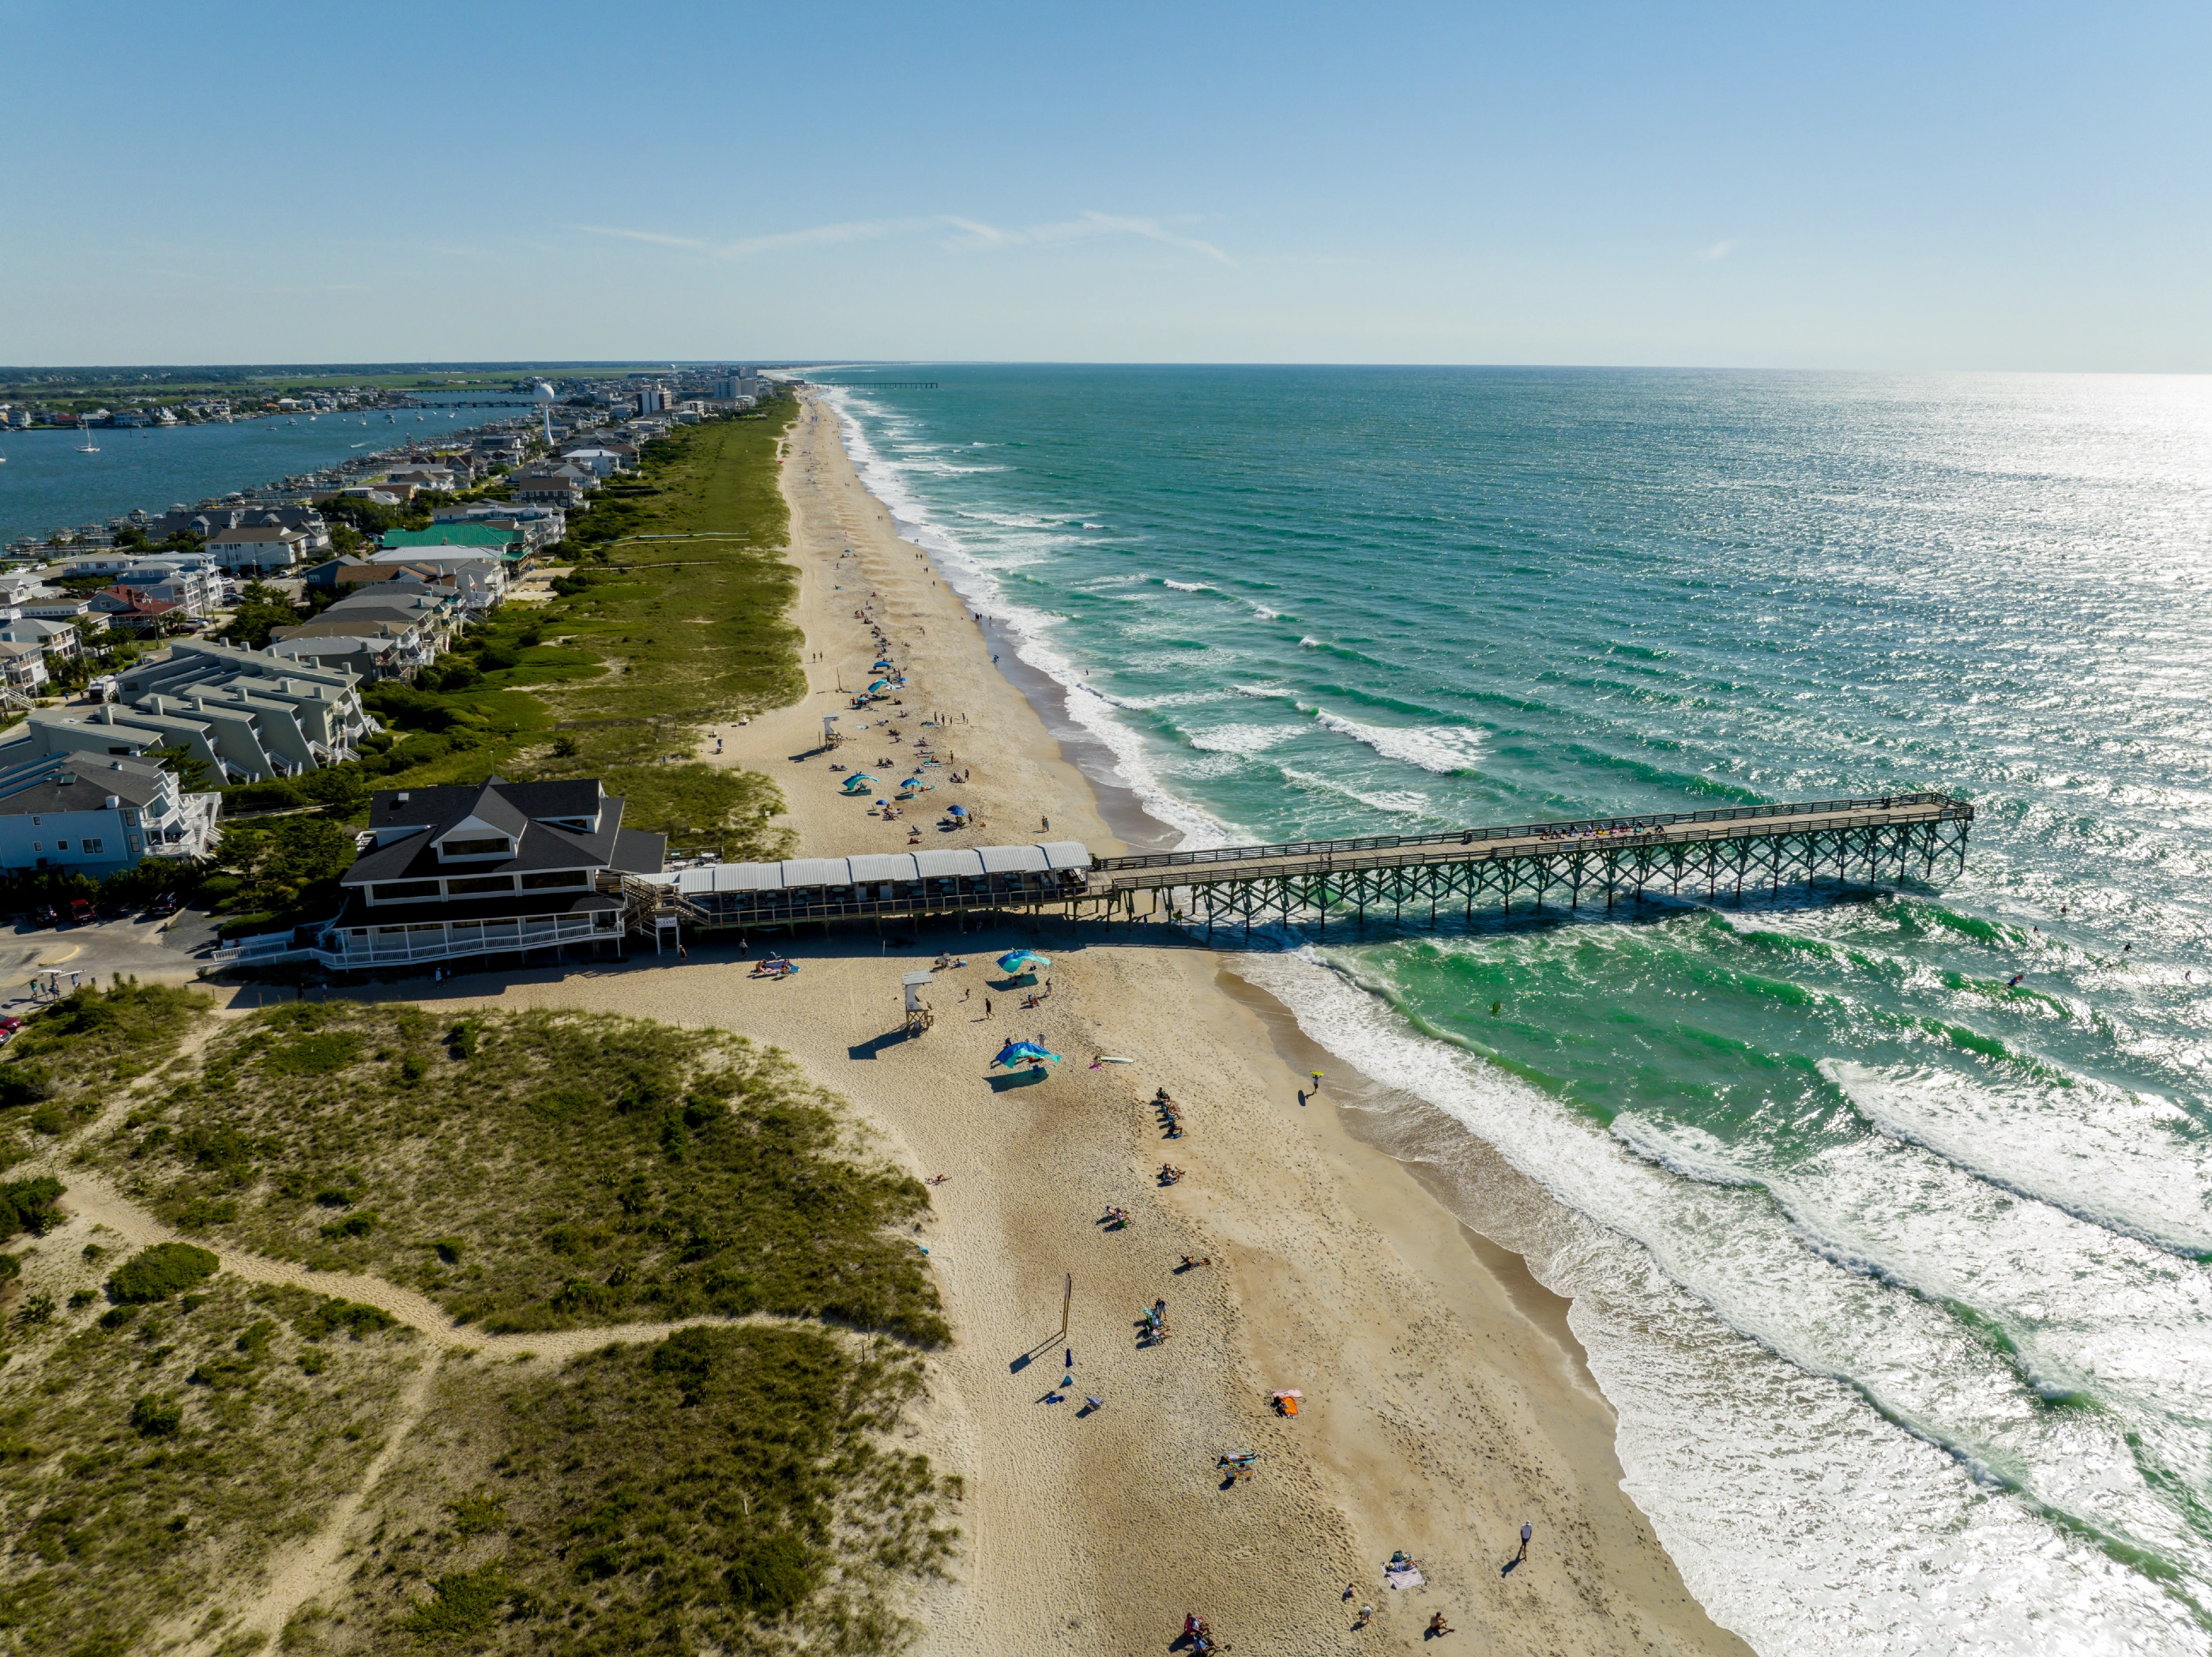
x=1728, y=850
x=1713, y=853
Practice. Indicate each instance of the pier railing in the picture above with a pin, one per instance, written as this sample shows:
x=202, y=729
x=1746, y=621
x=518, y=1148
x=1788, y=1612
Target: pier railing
x=1660, y=823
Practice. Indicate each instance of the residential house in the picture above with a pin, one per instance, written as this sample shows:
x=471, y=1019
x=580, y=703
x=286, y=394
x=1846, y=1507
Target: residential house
x=479, y=574
x=559, y=489
x=60, y=641
x=23, y=666
x=192, y=581
x=206, y=521
x=95, y=814
x=260, y=549
x=129, y=611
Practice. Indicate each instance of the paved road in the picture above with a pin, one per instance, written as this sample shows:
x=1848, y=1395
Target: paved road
x=98, y=952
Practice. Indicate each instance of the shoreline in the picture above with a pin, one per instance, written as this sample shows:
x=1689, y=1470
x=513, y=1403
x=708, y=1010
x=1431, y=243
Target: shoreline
x=1445, y=1400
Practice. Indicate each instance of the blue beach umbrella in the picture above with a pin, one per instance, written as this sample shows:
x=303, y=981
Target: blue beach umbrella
x=1020, y=960
x=1021, y=1053
x=858, y=780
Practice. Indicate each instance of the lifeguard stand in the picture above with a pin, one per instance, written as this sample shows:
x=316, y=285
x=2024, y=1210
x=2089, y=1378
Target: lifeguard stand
x=918, y=1015
x=829, y=737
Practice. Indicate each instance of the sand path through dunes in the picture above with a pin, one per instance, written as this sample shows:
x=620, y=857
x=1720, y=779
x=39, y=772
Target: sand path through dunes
x=310, y=1570
x=96, y=1202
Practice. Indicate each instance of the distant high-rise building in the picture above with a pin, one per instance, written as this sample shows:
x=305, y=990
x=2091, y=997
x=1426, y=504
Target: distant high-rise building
x=652, y=399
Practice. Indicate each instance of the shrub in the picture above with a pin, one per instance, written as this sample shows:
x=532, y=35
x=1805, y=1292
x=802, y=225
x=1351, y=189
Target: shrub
x=466, y=1603
x=28, y=1205
x=156, y=1273
x=157, y=1417
x=330, y=1314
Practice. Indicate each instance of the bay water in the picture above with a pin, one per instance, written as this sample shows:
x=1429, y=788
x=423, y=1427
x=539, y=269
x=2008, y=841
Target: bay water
x=48, y=484
x=1895, y=1271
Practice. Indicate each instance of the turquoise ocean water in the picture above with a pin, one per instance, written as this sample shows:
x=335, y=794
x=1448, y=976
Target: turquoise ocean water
x=1897, y=1276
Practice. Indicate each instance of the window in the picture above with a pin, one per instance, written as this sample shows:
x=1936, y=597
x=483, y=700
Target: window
x=90, y=848
x=397, y=890
x=61, y=845
x=486, y=883
x=498, y=848
x=35, y=845
x=556, y=877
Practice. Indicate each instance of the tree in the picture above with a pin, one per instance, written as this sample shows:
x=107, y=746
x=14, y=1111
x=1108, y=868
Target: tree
x=261, y=610
x=194, y=774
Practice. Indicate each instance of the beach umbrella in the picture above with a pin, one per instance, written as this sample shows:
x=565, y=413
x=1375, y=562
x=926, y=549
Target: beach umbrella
x=957, y=811
x=1021, y=1053
x=880, y=685
x=1020, y=960
x=912, y=783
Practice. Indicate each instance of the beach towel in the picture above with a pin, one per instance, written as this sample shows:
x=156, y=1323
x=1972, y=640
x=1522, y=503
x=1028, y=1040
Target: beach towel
x=1404, y=1577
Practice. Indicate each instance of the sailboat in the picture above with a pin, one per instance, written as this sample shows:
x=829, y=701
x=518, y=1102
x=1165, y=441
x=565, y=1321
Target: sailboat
x=87, y=446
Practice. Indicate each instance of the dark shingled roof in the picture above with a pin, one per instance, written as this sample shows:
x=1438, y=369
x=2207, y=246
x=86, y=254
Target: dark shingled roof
x=518, y=808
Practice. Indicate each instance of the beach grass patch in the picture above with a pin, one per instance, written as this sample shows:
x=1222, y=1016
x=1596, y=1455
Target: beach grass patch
x=535, y=1170
x=156, y=1464
x=735, y=1489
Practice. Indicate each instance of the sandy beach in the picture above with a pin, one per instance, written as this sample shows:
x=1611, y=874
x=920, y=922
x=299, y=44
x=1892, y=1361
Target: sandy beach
x=1444, y=1405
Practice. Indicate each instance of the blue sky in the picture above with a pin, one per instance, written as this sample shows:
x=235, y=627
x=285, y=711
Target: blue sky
x=1866, y=186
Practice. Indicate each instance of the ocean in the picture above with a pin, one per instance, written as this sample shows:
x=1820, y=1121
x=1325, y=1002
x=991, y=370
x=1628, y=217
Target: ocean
x=1895, y=1273
x=47, y=485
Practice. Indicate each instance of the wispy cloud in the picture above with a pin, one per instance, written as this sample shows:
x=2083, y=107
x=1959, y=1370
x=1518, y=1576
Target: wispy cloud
x=1718, y=250
x=653, y=236
x=970, y=233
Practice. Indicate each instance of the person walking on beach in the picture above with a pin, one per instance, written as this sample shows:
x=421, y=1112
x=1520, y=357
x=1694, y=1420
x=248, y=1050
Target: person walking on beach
x=986, y=1007
x=1526, y=1530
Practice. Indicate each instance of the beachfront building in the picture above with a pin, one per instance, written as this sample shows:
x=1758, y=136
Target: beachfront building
x=246, y=714
x=93, y=814
x=524, y=869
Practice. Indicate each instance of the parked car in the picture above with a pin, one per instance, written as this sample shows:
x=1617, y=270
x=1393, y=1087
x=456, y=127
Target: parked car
x=8, y=1025
x=45, y=915
x=79, y=911
x=167, y=904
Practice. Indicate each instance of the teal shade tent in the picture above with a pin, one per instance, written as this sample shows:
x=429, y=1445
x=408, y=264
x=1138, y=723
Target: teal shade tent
x=858, y=781
x=1023, y=1052
x=1020, y=960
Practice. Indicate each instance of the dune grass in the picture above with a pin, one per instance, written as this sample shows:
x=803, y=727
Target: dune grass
x=532, y=1170
x=55, y=1075
x=726, y=1490
x=151, y=1462
x=656, y=640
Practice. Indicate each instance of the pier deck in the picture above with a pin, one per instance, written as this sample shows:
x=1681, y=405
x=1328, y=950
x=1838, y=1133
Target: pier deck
x=1870, y=840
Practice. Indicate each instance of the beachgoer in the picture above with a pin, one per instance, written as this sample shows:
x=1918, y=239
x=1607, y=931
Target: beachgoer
x=1438, y=1626
x=1526, y=1530
x=986, y=1007
x=1366, y=1616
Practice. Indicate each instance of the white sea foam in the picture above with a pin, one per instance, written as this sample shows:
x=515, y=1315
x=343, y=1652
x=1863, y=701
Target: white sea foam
x=1443, y=749
x=1799, y=1515
x=1243, y=739
x=1187, y=585
x=1310, y=643
x=1760, y=1472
